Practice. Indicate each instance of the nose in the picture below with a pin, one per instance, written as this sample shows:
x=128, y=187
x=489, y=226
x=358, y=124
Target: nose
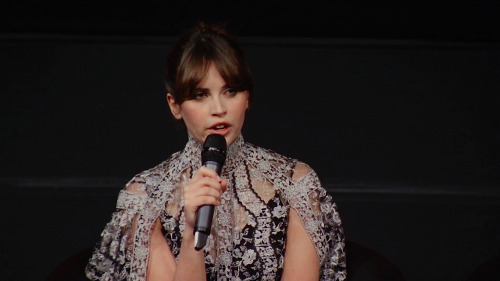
x=218, y=106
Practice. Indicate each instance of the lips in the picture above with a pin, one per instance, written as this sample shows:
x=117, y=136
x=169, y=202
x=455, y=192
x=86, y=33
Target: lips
x=221, y=128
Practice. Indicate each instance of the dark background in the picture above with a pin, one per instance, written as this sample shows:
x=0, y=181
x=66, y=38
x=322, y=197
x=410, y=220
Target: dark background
x=394, y=104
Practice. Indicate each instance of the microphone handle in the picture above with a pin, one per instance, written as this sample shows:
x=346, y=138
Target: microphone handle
x=214, y=166
x=204, y=215
x=203, y=224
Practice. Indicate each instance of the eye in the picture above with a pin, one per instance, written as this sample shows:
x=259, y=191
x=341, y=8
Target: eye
x=231, y=91
x=197, y=95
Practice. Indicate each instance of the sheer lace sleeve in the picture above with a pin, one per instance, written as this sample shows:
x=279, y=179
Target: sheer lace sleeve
x=112, y=255
x=321, y=220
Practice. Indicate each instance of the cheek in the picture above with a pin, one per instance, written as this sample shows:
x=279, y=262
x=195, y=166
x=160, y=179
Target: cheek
x=192, y=118
x=191, y=115
x=241, y=109
x=244, y=103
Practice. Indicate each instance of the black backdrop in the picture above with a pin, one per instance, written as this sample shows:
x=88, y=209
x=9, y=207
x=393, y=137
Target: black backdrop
x=394, y=104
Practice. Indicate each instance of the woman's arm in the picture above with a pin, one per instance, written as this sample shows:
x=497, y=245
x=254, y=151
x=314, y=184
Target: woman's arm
x=301, y=260
x=161, y=263
x=205, y=188
x=110, y=259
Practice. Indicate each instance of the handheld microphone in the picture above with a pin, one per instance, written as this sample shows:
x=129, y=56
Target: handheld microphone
x=213, y=157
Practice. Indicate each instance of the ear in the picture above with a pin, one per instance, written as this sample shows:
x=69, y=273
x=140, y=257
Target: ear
x=175, y=108
x=248, y=101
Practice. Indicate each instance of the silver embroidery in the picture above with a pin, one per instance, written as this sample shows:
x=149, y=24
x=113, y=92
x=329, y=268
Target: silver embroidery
x=247, y=241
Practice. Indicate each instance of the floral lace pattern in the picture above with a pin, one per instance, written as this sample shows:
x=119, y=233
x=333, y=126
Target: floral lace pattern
x=249, y=227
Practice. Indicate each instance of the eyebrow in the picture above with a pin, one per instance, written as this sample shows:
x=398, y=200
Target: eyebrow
x=225, y=87
x=198, y=89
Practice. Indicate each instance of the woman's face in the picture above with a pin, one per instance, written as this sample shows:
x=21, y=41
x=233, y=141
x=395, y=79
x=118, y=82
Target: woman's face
x=213, y=108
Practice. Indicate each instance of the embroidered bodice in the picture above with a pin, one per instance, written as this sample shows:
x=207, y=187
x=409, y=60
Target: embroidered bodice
x=248, y=235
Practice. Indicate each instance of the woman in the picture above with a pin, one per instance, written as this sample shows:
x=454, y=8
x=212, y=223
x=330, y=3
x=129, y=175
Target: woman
x=272, y=221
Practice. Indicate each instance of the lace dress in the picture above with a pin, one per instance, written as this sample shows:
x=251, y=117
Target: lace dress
x=249, y=227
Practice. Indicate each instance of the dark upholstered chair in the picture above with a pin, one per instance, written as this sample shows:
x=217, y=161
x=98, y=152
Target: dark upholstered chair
x=363, y=264
x=73, y=268
x=488, y=271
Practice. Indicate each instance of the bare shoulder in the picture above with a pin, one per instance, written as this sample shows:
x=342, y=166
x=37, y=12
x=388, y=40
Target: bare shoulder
x=135, y=188
x=301, y=170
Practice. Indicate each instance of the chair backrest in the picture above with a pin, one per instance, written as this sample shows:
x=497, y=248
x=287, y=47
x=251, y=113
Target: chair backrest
x=73, y=268
x=488, y=271
x=364, y=264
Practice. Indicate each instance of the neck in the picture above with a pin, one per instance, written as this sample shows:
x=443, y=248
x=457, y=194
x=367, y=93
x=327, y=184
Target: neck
x=194, y=147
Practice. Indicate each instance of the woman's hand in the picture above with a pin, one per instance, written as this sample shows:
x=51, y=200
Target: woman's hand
x=205, y=188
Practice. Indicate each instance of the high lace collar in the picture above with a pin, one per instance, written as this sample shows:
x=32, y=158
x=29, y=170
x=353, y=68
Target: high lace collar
x=193, y=148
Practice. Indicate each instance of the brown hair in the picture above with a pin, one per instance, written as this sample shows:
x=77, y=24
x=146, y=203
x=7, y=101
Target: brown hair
x=193, y=53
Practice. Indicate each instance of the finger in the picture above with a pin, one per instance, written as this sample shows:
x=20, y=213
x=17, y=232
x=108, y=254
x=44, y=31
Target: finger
x=205, y=191
x=199, y=201
x=203, y=187
x=196, y=184
x=207, y=172
x=223, y=184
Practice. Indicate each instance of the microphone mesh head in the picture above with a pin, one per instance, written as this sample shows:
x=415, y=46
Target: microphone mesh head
x=214, y=149
x=215, y=141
